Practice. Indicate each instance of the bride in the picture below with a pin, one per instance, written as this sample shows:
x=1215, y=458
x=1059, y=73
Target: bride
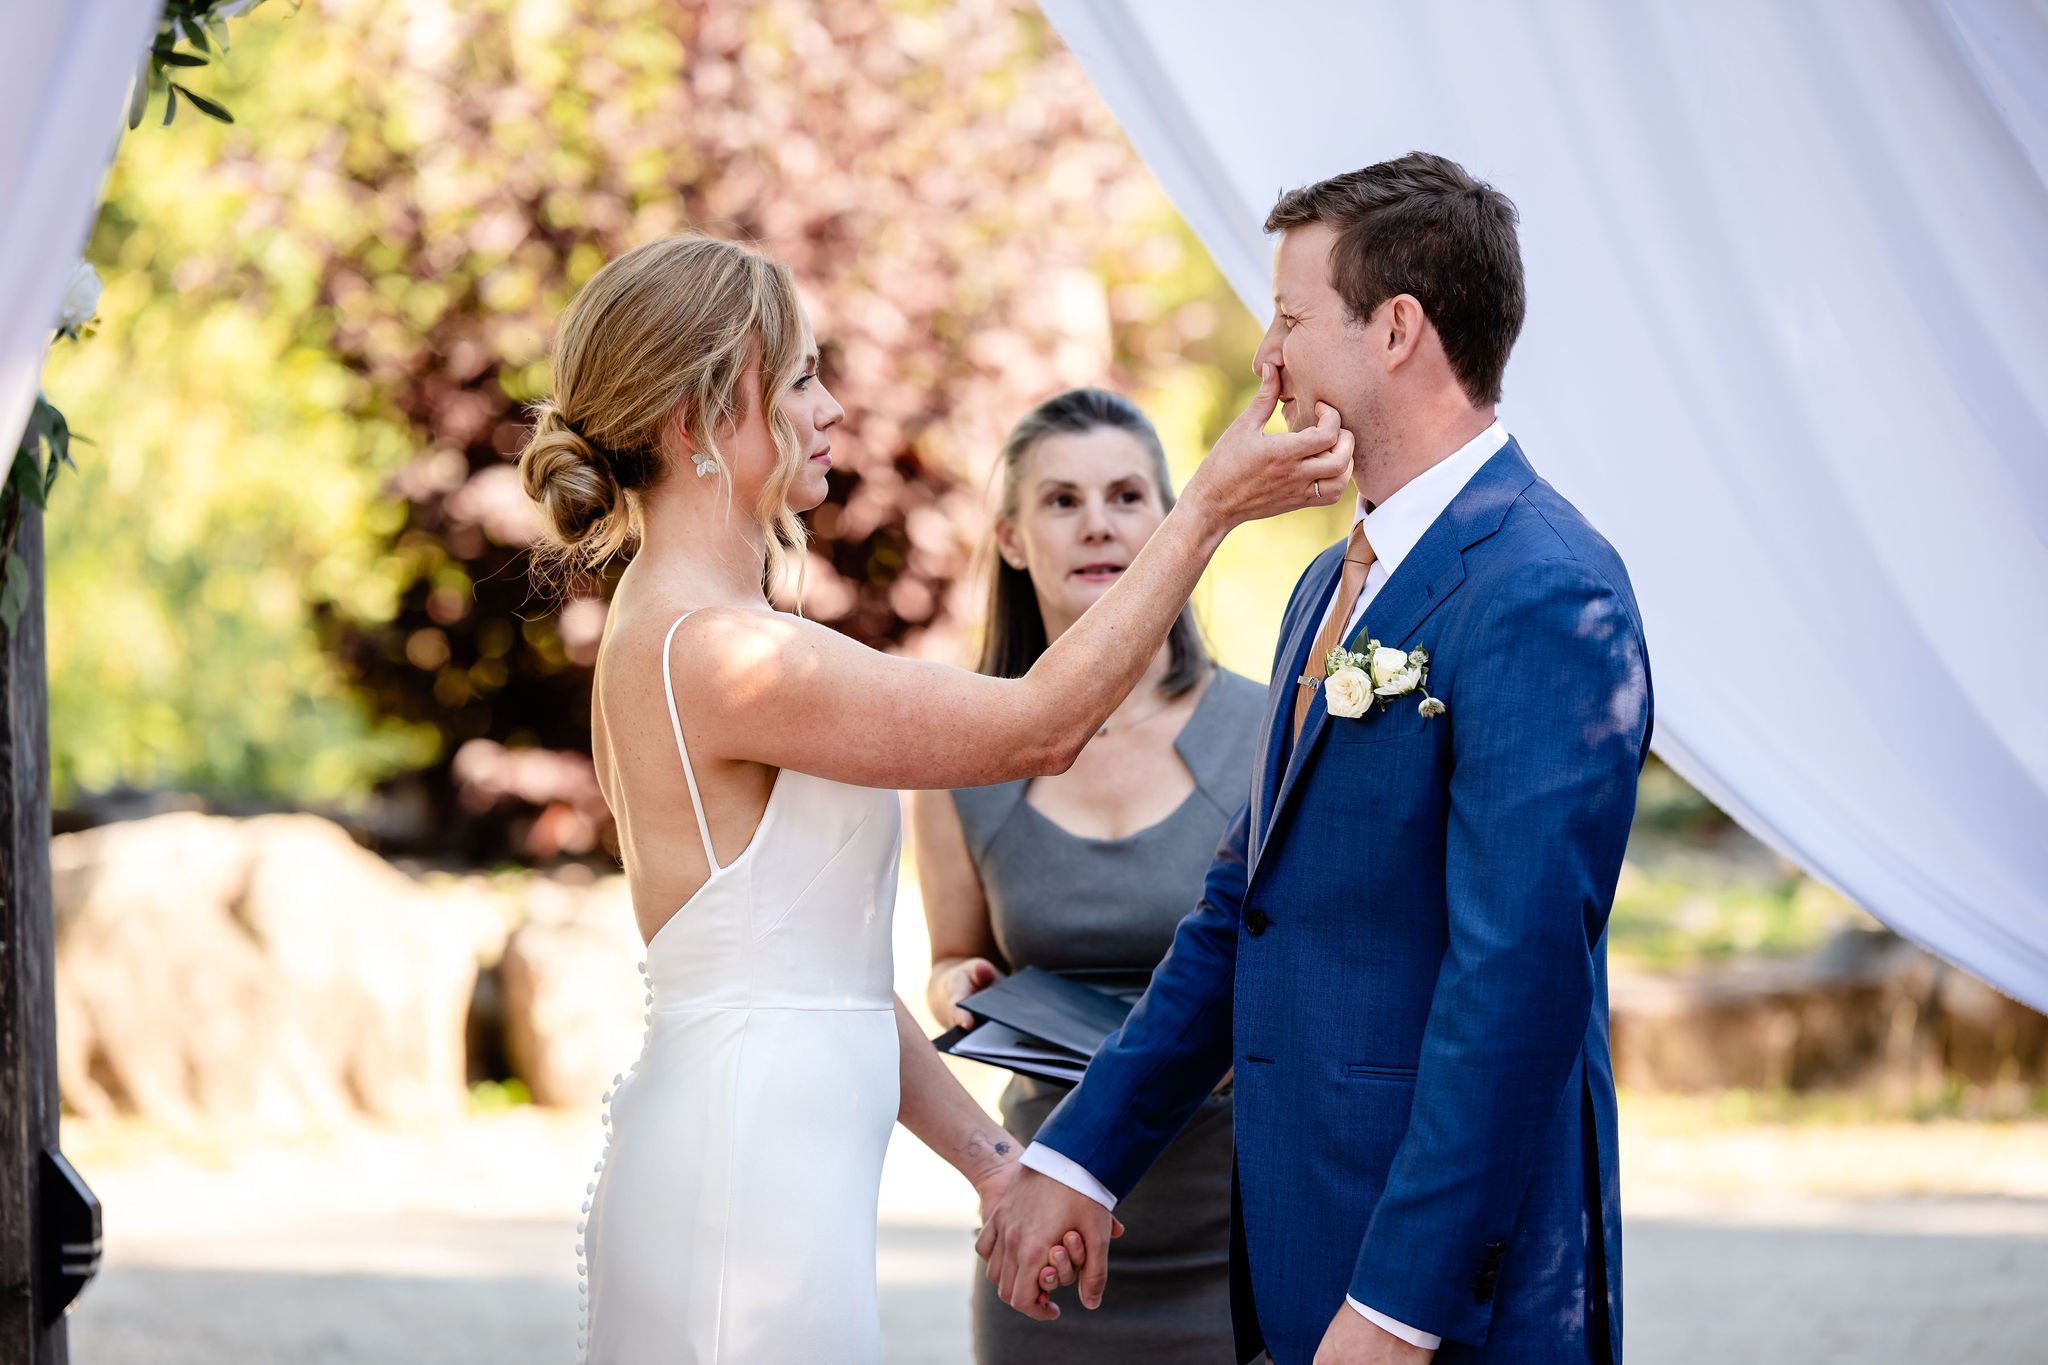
x=751, y=758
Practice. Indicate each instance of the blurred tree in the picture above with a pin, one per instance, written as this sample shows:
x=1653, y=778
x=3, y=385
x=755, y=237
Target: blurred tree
x=356, y=288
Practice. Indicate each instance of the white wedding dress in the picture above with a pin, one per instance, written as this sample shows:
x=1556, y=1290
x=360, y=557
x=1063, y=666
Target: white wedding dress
x=733, y=1218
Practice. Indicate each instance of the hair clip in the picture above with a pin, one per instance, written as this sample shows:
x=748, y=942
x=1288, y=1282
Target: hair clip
x=705, y=465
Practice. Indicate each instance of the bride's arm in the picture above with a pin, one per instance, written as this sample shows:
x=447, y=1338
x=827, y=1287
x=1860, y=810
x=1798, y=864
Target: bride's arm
x=789, y=693
x=940, y=1113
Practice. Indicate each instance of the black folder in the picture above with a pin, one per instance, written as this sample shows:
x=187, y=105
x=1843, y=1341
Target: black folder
x=1037, y=1023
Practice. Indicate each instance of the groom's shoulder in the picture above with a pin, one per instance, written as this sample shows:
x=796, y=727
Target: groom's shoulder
x=1544, y=530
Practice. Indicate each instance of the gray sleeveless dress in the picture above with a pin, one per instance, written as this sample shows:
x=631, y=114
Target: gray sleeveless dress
x=1104, y=910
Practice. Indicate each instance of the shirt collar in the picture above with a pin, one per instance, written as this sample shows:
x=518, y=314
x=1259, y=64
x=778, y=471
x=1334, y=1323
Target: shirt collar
x=1394, y=527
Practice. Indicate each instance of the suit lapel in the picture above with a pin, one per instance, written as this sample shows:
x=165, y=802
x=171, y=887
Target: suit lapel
x=1310, y=605
x=1430, y=573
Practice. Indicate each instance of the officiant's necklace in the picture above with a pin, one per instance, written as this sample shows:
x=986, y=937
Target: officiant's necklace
x=1106, y=727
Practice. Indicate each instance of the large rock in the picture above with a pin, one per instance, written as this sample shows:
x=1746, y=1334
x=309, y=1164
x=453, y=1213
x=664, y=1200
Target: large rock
x=574, y=1000
x=266, y=971
x=1871, y=1012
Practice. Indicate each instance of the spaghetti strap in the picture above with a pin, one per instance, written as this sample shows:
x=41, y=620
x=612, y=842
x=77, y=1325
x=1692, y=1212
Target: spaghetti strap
x=675, y=722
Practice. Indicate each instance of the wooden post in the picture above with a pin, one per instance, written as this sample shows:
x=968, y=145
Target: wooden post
x=28, y=1033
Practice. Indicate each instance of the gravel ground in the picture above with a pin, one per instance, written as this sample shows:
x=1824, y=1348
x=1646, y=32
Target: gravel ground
x=1815, y=1243
x=456, y=1247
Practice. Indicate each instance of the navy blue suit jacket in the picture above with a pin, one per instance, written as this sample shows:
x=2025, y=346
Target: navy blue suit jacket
x=1401, y=949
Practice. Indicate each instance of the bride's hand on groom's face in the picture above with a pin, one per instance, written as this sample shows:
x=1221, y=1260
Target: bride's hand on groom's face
x=1252, y=473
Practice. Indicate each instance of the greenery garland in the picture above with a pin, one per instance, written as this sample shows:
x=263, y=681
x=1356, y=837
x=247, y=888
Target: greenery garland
x=187, y=35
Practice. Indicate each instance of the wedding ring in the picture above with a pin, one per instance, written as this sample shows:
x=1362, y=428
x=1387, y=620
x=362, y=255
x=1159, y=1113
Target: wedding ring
x=1315, y=489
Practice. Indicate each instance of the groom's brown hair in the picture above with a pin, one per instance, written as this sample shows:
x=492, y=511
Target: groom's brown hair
x=1421, y=225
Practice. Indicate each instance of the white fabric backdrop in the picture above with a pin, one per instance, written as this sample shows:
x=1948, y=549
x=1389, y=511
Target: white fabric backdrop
x=62, y=106
x=1787, y=346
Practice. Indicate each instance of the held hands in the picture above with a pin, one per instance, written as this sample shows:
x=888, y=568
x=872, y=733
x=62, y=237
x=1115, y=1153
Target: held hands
x=1250, y=474
x=1354, y=1339
x=1042, y=1235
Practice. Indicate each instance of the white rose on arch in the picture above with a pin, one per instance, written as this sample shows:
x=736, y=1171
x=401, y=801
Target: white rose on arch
x=1347, y=693
x=81, y=300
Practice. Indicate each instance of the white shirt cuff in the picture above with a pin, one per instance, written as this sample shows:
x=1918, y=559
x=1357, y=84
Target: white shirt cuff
x=1038, y=1157
x=1428, y=1341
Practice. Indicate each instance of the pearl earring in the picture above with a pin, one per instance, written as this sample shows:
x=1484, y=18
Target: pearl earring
x=705, y=465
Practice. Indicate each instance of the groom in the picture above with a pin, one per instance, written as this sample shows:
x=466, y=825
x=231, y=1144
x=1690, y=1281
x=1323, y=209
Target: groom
x=1401, y=946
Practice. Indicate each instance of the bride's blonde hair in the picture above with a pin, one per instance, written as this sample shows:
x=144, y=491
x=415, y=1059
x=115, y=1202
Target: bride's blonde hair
x=665, y=332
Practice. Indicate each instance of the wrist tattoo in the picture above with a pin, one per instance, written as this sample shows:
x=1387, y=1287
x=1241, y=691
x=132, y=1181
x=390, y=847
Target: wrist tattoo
x=978, y=1143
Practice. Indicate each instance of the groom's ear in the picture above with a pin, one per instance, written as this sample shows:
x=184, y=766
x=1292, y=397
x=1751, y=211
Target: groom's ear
x=1403, y=326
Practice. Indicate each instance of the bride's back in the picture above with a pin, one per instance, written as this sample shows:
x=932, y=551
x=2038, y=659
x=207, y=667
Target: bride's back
x=641, y=774
x=656, y=362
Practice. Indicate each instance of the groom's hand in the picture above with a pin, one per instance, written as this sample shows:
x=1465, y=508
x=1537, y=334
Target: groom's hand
x=1037, y=1215
x=1354, y=1339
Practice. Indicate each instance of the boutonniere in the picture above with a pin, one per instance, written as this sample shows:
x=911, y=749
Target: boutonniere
x=1355, y=681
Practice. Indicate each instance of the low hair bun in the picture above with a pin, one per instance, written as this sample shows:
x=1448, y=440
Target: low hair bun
x=578, y=495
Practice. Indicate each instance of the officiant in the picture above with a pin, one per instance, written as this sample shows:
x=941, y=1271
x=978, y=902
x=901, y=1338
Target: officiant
x=1088, y=872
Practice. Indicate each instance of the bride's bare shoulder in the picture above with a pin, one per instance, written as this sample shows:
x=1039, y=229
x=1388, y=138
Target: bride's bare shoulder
x=714, y=644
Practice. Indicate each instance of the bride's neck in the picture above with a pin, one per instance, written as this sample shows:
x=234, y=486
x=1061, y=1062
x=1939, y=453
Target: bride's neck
x=702, y=538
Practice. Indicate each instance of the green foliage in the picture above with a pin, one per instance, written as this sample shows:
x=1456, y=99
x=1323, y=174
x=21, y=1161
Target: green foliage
x=45, y=448
x=1696, y=888
x=203, y=23
x=200, y=26
x=354, y=299
x=238, y=479
x=490, y=1097
x=298, y=571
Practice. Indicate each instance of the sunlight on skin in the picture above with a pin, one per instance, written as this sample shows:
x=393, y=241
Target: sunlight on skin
x=1241, y=598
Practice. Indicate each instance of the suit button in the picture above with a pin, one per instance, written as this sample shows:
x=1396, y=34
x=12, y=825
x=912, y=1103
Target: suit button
x=1255, y=922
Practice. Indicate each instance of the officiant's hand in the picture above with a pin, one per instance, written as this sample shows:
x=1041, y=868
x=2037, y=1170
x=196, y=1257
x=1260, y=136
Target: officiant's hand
x=1039, y=1225
x=955, y=982
x=1354, y=1339
x=1252, y=473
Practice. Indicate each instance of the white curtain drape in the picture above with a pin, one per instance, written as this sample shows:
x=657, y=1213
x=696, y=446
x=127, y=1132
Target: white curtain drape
x=1787, y=345
x=61, y=106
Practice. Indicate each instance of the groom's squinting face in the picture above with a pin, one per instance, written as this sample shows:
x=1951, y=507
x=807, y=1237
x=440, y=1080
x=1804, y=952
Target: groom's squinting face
x=1319, y=350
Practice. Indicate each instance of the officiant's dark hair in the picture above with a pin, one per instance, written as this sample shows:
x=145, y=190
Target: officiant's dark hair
x=1013, y=635
x=1421, y=225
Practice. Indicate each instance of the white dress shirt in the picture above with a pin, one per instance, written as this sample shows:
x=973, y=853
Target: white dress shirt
x=1393, y=529
x=1397, y=525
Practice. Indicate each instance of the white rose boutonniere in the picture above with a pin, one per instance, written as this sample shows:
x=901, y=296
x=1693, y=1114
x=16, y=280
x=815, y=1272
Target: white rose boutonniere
x=1354, y=681
x=1347, y=692
x=1394, y=673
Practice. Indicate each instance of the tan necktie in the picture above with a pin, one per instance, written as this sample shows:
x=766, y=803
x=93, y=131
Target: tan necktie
x=1358, y=558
